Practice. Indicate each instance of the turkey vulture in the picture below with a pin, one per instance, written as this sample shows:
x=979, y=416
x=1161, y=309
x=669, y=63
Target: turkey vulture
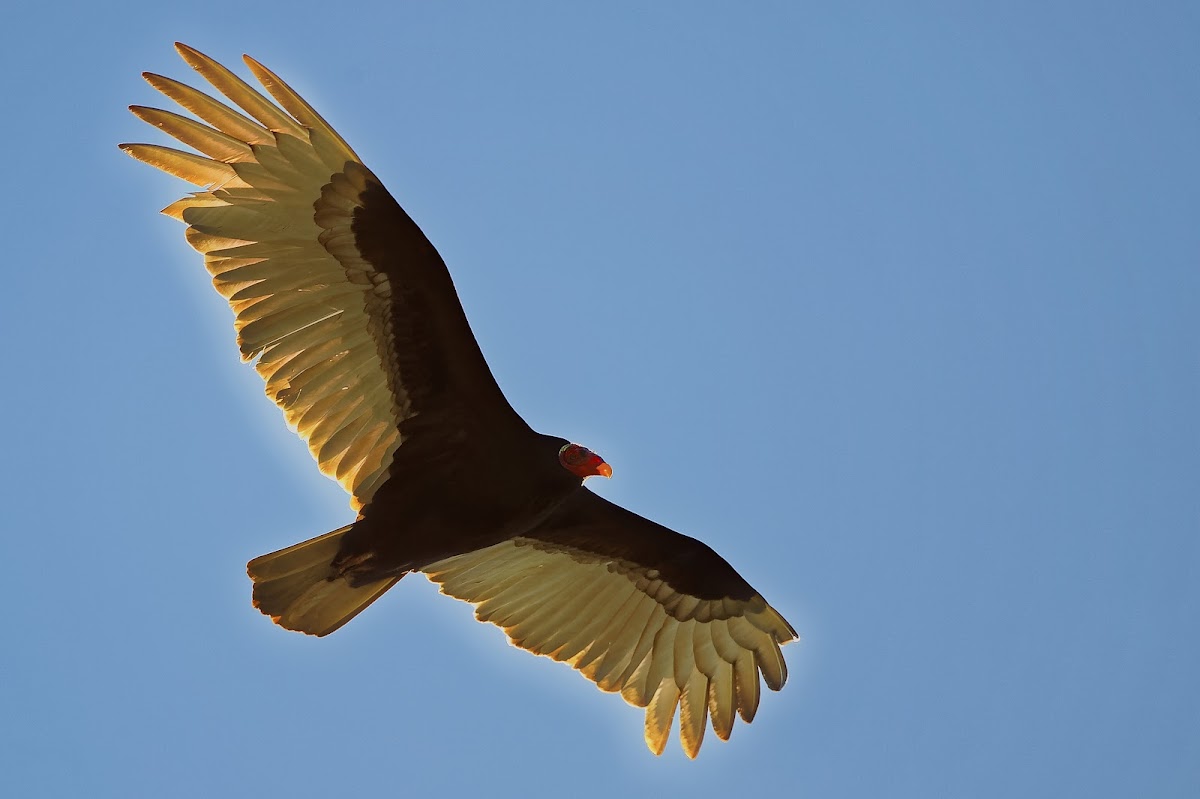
x=350, y=316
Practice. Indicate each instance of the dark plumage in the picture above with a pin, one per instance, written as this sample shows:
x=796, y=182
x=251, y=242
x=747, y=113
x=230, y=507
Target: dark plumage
x=350, y=316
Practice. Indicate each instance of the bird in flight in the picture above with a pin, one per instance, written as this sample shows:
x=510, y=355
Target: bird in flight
x=350, y=316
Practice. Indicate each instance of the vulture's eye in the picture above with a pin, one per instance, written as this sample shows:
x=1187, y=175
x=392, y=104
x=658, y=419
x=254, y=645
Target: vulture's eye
x=572, y=454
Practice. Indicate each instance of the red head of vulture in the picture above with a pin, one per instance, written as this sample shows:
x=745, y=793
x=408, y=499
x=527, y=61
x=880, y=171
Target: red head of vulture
x=350, y=316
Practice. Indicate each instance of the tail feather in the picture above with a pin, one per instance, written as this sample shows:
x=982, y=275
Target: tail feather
x=300, y=590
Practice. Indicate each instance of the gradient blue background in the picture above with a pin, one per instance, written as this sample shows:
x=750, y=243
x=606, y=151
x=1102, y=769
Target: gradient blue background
x=895, y=305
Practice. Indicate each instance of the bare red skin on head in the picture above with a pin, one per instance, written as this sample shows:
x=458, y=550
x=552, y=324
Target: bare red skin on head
x=582, y=462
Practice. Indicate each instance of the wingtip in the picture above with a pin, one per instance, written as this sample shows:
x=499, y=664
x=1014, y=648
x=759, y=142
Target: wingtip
x=194, y=58
x=258, y=70
x=792, y=635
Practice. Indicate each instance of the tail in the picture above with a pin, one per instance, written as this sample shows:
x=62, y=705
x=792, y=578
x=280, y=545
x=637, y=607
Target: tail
x=300, y=590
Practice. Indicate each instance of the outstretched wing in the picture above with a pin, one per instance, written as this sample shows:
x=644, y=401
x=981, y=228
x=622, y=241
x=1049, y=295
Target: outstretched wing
x=344, y=305
x=636, y=608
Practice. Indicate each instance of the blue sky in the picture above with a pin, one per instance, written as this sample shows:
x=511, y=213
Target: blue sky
x=895, y=305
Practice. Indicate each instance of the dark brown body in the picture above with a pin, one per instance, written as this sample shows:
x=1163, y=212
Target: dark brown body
x=350, y=316
x=461, y=500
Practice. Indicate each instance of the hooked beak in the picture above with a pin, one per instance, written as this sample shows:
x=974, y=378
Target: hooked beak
x=593, y=466
x=582, y=462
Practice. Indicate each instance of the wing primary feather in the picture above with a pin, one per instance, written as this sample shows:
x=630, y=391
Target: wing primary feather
x=213, y=143
x=721, y=700
x=660, y=712
x=693, y=714
x=195, y=169
x=212, y=111
x=297, y=106
x=767, y=619
x=238, y=91
x=662, y=661
x=745, y=682
x=726, y=647
x=706, y=657
x=773, y=666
